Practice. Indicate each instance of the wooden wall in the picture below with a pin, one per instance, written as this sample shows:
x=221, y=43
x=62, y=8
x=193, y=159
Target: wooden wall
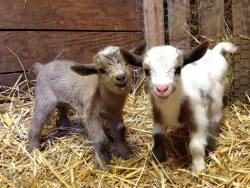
x=40, y=30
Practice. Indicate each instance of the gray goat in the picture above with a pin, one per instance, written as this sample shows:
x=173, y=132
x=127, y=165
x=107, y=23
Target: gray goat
x=97, y=91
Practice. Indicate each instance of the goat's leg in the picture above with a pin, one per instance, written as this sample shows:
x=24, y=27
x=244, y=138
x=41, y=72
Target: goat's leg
x=159, y=136
x=100, y=141
x=44, y=105
x=198, y=138
x=213, y=129
x=120, y=147
x=64, y=120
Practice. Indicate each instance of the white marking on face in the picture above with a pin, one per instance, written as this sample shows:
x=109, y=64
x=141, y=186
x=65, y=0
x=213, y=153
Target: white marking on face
x=109, y=50
x=162, y=62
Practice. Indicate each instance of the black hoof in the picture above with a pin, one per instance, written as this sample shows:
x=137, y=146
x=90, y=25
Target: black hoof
x=103, y=154
x=121, y=150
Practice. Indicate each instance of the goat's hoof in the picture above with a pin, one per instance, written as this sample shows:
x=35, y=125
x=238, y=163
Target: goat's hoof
x=121, y=150
x=102, y=160
x=198, y=166
x=31, y=147
x=33, y=144
x=160, y=154
x=102, y=153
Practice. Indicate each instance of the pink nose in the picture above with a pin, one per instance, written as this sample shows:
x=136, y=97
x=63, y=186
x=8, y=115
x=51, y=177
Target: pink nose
x=162, y=88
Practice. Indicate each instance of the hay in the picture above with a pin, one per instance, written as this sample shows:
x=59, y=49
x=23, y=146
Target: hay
x=68, y=161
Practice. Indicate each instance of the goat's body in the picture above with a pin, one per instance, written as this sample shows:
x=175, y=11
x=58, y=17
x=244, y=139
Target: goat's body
x=196, y=102
x=58, y=85
x=70, y=84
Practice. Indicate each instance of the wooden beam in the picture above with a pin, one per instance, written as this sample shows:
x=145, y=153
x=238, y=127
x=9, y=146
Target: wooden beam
x=154, y=22
x=178, y=18
x=212, y=19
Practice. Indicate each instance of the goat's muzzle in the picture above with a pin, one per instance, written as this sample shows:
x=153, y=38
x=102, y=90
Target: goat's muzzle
x=121, y=80
x=121, y=84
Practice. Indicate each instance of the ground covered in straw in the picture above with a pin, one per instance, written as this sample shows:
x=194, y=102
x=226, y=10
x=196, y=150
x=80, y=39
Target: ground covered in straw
x=68, y=160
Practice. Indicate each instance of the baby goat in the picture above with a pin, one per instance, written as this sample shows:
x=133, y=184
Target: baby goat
x=187, y=93
x=95, y=90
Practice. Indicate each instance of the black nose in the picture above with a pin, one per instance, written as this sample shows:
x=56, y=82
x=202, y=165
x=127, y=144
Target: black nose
x=120, y=77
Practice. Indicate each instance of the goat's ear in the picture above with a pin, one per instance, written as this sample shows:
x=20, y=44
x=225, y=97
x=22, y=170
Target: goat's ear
x=140, y=49
x=131, y=58
x=84, y=70
x=196, y=53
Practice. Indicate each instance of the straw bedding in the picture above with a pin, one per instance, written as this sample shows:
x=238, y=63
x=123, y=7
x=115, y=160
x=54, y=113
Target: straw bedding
x=67, y=160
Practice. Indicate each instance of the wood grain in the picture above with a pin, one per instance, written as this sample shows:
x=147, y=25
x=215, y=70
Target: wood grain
x=212, y=19
x=241, y=17
x=43, y=47
x=178, y=18
x=154, y=22
x=68, y=14
x=11, y=79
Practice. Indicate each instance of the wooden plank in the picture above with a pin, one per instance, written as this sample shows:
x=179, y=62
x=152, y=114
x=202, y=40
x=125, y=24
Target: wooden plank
x=241, y=65
x=241, y=15
x=178, y=17
x=154, y=22
x=11, y=79
x=43, y=47
x=68, y=14
x=212, y=19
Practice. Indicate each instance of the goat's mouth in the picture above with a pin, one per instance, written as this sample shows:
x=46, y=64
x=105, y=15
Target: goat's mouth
x=121, y=84
x=161, y=95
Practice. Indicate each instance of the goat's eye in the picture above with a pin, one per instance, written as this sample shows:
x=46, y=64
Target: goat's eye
x=177, y=71
x=102, y=71
x=147, y=72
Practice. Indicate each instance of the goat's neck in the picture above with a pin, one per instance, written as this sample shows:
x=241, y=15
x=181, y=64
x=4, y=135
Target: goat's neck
x=170, y=108
x=112, y=101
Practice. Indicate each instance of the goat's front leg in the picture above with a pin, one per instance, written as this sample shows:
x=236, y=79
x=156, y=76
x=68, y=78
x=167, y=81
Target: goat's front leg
x=100, y=141
x=120, y=147
x=198, y=139
x=159, y=136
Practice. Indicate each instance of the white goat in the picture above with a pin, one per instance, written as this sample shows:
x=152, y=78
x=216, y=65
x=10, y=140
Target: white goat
x=187, y=93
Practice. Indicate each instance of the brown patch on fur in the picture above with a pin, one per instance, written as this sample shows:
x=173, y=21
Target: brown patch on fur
x=196, y=53
x=186, y=116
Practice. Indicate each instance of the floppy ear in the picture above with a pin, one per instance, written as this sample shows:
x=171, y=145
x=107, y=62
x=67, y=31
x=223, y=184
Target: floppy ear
x=196, y=53
x=131, y=58
x=140, y=49
x=84, y=70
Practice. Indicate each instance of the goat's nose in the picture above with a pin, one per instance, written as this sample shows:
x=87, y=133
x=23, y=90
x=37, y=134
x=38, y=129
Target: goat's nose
x=162, y=88
x=120, y=77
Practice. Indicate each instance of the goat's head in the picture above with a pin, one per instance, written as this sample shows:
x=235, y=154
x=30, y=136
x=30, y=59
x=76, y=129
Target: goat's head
x=111, y=65
x=163, y=65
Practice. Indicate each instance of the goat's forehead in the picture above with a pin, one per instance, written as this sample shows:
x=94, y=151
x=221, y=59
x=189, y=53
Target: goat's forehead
x=109, y=50
x=162, y=56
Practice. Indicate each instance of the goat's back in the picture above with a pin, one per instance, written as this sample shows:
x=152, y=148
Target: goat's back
x=66, y=85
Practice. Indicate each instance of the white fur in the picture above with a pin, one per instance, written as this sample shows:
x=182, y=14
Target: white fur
x=109, y=50
x=206, y=75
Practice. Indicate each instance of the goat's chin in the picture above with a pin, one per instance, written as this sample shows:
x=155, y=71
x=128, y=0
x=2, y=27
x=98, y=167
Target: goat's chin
x=119, y=90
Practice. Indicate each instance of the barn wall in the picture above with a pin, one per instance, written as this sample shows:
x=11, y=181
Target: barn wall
x=241, y=31
x=40, y=30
